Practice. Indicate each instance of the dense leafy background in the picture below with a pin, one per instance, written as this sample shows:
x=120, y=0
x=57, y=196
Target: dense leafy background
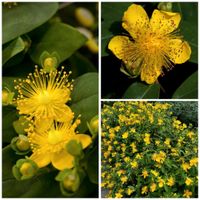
x=29, y=29
x=175, y=83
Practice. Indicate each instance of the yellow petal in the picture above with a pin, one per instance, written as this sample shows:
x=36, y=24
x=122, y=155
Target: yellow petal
x=135, y=20
x=65, y=114
x=164, y=22
x=62, y=160
x=179, y=51
x=150, y=74
x=41, y=159
x=120, y=46
x=84, y=139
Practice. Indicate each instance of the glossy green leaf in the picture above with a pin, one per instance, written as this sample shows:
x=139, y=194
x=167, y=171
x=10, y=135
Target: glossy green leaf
x=57, y=37
x=12, y=49
x=25, y=17
x=8, y=82
x=188, y=89
x=142, y=91
x=79, y=65
x=85, y=98
x=9, y=115
x=189, y=25
x=92, y=166
x=112, y=14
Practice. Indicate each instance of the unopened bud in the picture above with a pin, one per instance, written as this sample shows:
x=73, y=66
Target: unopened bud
x=7, y=97
x=84, y=17
x=24, y=169
x=21, y=125
x=93, y=126
x=165, y=6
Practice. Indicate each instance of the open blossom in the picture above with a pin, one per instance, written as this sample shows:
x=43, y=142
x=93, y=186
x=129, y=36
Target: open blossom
x=49, y=145
x=44, y=95
x=153, y=43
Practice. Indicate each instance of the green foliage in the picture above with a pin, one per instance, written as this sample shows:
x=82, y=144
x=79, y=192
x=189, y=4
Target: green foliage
x=188, y=89
x=147, y=152
x=186, y=111
x=16, y=20
x=142, y=91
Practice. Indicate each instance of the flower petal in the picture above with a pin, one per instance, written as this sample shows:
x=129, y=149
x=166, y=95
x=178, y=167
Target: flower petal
x=164, y=22
x=120, y=46
x=135, y=20
x=41, y=159
x=65, y=114
x=179, y=51
x=84, y=139
x=150, y=74
x=62, y=160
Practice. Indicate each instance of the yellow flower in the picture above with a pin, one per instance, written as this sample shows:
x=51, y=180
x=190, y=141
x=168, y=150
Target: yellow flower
x=153, y=187
x=187, y=194
x=118, y=195
x=161, y=182
x=159, y=157
x=134, y=164
x=129, y=191
x=153, y=44
x=49, y=146
x=170, y=181
x=188, y=181
x=144, y=190
x=154, y=172
x=124, y=179
x=125, y=135
x=185, y=166
x=147, y=138
x=167, y=142
x=193, y=162
x=134, y=148
x=44, y=95
x=190, y=134
x=145, y=173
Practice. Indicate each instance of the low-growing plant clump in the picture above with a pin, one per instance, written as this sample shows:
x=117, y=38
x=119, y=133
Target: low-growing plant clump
x=147, y=152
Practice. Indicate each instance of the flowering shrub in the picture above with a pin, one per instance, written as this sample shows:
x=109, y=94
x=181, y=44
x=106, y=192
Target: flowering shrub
x=146, y=152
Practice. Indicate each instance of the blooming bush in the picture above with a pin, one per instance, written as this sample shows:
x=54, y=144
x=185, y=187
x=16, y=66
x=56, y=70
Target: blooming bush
x=146, y=152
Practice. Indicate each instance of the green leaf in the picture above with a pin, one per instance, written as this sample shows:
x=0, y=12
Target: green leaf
x=9, y=115
x=79, y=65
x=142, y=91
x=92, y=166
x=189, y=25
x=112, y=14
x=25, y=17
x=12, y=49
x=85, y=98
x=57, y=37
x=188, y=89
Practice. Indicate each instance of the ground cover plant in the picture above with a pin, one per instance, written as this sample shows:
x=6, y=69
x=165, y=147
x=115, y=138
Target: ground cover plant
x=149, y=50
x=50, y=100
x=148, y=152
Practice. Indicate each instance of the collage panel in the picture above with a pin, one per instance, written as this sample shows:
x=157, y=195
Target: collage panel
x=149, y=50
x=149, y=149
x=50, y=107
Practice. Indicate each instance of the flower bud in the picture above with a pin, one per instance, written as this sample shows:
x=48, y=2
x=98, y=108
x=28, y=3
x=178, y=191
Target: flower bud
x=21, y=125
x=74, y=148
x=92, y=45
x=93, y=126
x=165, y=6
x=24, y=169
x=49, y=61
x=84, y=17
x=20, y=144
x=70, y=180
x=7, y=97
